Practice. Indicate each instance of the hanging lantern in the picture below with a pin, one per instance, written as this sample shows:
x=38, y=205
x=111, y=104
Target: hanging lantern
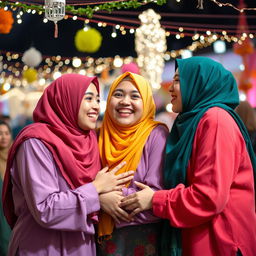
x=55, y=11
x=88, y=40
x=30, y=75
x=131, y=67
x=32, y=57
x=6, y=21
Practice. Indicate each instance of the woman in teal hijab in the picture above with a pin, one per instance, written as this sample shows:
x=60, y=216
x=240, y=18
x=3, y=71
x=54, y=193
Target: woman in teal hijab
x=209, y=200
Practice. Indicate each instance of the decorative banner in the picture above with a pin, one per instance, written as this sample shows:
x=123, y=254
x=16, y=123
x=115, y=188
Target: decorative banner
x=150, y=45
x=6, y=21
x=32, y=57
x=88, y=40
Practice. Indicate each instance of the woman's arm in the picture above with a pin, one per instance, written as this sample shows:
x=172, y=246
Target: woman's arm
x=51, y=206
x=214, y=162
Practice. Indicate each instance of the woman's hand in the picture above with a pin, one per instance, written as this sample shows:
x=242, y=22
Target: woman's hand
x=139, y=201
x=107, y=181
x=109, y=203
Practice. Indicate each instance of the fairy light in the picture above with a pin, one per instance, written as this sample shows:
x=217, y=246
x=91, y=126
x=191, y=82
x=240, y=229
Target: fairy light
x=233, y=6
x=118, y=62
x=82, y=72
x=169, y=107
x=86, y=28
x=76, y=62
x=67, y=61
x=6, y=87
x=150, y=45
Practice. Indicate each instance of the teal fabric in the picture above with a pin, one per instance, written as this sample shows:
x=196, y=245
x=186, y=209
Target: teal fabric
x=5, y=230
x=204, y=84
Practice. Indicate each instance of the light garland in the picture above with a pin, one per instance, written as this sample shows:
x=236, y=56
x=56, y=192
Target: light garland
x=87, y=11
x=150, y=45
x=220, y=4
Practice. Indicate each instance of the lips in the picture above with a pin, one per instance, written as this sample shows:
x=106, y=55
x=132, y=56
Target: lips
x=173, y=98
x=125, y=111
x=93, y=115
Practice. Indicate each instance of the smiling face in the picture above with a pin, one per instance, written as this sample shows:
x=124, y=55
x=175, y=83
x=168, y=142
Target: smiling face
x=174, y=89
x=89, y=109
x=126, y=105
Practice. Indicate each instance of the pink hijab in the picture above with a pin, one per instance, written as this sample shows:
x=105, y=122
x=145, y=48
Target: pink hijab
x=56, y=115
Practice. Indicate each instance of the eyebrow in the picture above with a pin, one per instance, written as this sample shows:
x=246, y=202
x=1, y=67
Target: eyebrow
x=92, y=94
x=176, y=76
x=121, y=90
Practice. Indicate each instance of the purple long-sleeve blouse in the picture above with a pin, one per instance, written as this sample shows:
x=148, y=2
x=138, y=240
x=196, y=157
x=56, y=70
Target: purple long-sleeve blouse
x=149, y=172
x=52, y=218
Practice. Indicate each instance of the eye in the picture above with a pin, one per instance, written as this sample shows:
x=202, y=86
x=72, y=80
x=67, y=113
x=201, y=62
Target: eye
x=98, y=100
x=135, y=96
x=117, y=94
x=88, y=98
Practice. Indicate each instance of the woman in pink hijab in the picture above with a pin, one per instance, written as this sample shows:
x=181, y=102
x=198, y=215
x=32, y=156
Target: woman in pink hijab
x=52, y=181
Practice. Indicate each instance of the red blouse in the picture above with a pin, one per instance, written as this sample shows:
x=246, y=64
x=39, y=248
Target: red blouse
x=216, y=211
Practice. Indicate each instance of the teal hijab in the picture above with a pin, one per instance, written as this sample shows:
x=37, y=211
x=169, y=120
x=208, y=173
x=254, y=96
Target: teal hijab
x=204, y=84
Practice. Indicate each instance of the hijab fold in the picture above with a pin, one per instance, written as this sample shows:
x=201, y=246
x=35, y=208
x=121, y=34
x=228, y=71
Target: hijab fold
x=56, y=124
x=125, y=143
x=204, y=84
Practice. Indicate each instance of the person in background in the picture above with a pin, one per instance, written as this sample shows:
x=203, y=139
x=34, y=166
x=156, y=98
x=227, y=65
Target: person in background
x=5, y=144
x=209, y=174
x=248, y=116
x=52, y=180
x=129, y=133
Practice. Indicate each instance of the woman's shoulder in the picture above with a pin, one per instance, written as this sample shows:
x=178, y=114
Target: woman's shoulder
x=217, y=115
x=215, y=119
x=34, y=146
x=160, y=129
x=160, y=132
x=216, y=111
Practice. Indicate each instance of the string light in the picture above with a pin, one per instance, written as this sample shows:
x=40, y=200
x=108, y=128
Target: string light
x=150, y=45
x=233, y=6
x=87, y=11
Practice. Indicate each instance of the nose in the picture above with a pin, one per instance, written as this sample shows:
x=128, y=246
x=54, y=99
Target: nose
x=171, y=87
x=125, y=100
x=96, y=104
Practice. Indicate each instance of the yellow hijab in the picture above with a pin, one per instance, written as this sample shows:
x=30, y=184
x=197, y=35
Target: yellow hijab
x=119, y=143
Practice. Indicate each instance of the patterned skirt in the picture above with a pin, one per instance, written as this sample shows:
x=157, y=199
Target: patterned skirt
x=139, y=240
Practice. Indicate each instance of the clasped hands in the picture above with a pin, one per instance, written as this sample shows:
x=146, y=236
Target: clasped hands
x=109, y=187
x=125, y=207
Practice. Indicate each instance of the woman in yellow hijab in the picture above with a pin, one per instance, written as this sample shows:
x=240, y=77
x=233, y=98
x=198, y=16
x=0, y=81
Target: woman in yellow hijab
x=129, y=133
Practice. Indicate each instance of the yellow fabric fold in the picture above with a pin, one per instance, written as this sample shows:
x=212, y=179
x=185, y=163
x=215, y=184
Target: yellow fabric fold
x=118, y=143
